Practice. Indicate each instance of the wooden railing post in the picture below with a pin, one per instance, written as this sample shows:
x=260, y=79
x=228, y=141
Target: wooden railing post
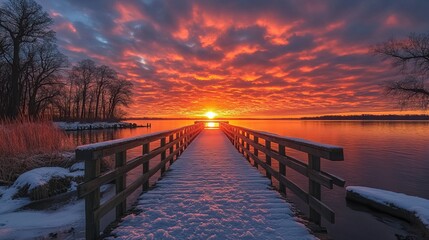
x=282, y=169
x=92, y=200
x=268, y=158
x=170, y=139
x=177, y=144
x=244, y=138
x=235, y=138
x=146, y=149
x=246, y=134
x=238, y=141
x=120, y=182
x=92, y=155
x=314, y=187
x=241, y=142
x=255, y=151
x=163, y=155
x=181, y=141
x=233, y=135
x=186, y=138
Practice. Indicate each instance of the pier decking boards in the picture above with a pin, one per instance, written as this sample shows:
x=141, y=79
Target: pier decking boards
x=211, y=192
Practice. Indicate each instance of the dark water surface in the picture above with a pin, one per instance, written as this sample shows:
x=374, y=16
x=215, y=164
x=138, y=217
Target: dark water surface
x=392, y=155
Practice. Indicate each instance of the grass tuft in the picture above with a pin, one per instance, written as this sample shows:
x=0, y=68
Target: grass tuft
x=25, y=145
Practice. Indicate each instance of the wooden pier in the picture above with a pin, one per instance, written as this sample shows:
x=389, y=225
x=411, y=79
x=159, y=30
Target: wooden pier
x=259, y=148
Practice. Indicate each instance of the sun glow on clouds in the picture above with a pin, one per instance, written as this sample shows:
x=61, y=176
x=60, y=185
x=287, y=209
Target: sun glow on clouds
x=242, y=58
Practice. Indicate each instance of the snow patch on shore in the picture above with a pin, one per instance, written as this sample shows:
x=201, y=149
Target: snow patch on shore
x=41, y=176
x=71, y=126
x=80, y=166
x=33, y=178
x=418, y=206
x=19, y=222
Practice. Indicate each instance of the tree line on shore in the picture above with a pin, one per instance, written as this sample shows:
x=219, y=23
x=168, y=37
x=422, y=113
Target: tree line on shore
x=36, y=79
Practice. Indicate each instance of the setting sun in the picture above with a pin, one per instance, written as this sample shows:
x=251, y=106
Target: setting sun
x=211, y=115
x=211, y=124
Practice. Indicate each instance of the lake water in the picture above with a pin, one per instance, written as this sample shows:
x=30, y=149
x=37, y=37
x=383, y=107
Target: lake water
x=392, y=155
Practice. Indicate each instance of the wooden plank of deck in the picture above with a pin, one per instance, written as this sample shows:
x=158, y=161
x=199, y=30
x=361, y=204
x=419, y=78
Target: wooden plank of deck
x=211, y=192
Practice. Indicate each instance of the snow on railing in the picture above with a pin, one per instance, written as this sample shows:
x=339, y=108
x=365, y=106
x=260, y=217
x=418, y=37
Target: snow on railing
x=247, y=142
x=174, y=141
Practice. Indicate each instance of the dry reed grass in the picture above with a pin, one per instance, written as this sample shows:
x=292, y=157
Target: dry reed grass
x=25, y=145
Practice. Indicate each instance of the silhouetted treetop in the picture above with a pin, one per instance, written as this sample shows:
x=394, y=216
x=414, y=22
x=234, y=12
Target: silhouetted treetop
x=411, y=57
x=25, y=20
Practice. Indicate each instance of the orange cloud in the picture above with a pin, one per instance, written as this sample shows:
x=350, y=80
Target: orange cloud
x=240, y=58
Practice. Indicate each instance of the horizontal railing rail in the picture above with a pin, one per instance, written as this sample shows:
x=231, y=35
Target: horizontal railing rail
x=173, y=141
x=244, y=138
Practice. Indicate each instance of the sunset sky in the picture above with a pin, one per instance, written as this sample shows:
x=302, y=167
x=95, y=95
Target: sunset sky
x=244, y=58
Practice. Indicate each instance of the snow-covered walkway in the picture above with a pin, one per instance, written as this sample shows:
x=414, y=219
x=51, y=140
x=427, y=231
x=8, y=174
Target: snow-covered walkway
x=212, y=192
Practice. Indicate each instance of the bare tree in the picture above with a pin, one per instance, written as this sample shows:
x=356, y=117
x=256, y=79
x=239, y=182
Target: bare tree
x=411, y=57
x=105, y=75
x=120, y=94
x=92, y=92
x=4, y=87
x=21, y=22
x=43, y=77
x=83, y=75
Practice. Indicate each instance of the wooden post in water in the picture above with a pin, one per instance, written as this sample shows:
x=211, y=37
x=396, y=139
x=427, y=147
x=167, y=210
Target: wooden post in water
x=163, y=153
x=146, y=149
x=268, y=158
x=282, y=169
x=120, y=182
x=255, y=151
x=314, y=187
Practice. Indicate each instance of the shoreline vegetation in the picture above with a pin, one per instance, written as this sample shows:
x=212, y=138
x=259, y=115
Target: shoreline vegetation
x=79, y=126
x=28, y=144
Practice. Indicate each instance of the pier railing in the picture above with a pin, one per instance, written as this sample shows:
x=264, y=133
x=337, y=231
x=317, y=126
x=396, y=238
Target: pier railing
x=174, y=142
x=244, y=138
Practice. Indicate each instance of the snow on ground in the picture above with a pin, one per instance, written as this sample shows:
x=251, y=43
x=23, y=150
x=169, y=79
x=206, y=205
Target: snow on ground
x=19, y=223
x=95, y=125
x=79, y=166
x=212, y=192
x=33, y=178
x=416, y=205
x=31, y=224
x=40, y=176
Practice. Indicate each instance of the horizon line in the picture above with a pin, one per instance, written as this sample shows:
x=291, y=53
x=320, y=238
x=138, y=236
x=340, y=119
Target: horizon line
x=321, y=117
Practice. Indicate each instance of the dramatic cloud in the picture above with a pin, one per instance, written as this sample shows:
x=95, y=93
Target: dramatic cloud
x=244, y=57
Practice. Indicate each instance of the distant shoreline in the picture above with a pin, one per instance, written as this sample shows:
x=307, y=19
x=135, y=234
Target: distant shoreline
x=364, y=117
